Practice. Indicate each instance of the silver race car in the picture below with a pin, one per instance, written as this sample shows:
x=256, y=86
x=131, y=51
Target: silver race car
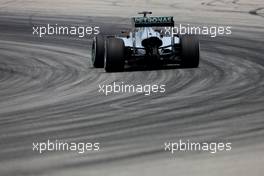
x=146, y=44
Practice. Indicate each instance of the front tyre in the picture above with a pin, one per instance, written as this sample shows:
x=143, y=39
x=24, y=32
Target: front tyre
x=98, y=51
x=114, y=55
x=190, y=51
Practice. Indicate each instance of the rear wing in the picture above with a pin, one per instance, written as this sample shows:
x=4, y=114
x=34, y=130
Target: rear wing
x=153, y=21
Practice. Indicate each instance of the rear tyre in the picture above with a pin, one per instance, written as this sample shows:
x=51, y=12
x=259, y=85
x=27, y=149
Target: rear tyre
x=98, y=51
x=114, y=55
x=190, y=51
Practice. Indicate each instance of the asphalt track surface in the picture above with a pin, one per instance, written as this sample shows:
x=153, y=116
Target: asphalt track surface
x=49, y=90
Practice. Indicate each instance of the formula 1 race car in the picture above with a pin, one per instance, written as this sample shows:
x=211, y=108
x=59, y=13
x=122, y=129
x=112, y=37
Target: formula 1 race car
x=145, y=44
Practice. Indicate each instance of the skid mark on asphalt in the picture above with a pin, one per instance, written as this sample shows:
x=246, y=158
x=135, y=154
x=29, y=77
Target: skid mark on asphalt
x=258, y=11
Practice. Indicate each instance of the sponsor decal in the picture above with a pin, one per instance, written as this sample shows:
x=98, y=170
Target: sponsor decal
x=149, y=20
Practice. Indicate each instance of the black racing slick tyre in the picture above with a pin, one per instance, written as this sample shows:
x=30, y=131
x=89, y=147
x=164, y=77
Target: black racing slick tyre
x=190, y=51
x=114, y=55
x=98, y=50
